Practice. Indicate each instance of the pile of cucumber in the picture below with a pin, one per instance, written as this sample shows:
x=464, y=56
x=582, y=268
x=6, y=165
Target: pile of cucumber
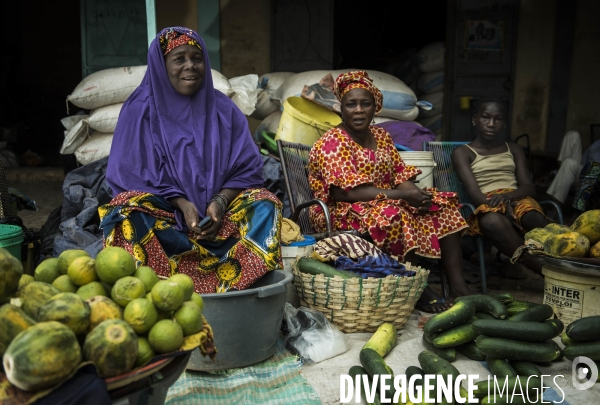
x=511, y=336
x=582, y=338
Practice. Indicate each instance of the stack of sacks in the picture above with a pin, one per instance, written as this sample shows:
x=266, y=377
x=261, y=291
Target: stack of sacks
x=268, y=109
x=399, y=101
x=104, y=92
x=430, y=86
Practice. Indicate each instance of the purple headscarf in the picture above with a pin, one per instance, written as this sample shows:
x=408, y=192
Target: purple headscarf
x=173, y=145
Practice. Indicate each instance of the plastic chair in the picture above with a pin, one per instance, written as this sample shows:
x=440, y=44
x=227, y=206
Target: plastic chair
x=445, y=178
x=294, y=161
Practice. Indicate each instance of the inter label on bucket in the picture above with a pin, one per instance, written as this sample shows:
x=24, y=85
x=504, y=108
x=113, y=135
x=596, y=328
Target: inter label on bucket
x=567, y=302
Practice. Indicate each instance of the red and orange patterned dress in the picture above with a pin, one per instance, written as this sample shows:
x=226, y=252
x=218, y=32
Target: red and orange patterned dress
x=395, y=226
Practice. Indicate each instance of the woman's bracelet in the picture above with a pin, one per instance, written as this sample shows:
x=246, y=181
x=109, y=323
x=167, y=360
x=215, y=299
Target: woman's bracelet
x=222, y=200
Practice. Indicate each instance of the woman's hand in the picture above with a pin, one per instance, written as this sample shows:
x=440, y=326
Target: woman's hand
x=210, y=230
x=418, y=198
x=190, y=213
x=510, y=214
x=496, y=199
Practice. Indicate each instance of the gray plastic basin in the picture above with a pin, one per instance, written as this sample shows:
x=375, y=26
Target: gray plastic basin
x=245, y=323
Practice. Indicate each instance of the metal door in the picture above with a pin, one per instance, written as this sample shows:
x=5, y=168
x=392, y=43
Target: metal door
x=480, y=55
x=113, y=34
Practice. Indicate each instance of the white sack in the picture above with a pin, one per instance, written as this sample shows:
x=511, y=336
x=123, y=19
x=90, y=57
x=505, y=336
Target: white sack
x=431, y=82
x=104, y=119
x=70, y=121
x=113, y=86
x=96, y=147
x=265, y=104
x=75, y=137
x=244, y=92
x=430, y=58
x=109, y=86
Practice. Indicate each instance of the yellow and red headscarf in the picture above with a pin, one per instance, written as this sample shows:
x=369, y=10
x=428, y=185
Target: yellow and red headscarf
x=357, y=79
x=175, y=37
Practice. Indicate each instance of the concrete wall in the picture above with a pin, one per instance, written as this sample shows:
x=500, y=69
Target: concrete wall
x=245, y=37
x=533, y=69
x=584, y=92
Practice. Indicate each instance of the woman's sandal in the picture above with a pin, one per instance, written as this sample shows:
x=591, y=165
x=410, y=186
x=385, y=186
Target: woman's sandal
x=421, y=305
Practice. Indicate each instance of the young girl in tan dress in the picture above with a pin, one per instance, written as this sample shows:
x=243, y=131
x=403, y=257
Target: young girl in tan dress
x=495, y=176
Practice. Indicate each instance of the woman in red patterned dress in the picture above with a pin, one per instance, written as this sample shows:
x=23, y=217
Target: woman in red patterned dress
x=356, y=169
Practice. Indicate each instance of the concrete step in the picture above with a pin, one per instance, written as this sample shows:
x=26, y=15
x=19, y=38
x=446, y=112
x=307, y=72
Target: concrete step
x=33, y=174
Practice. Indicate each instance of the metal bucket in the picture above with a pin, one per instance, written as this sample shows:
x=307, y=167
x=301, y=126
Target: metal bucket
x=245, y=323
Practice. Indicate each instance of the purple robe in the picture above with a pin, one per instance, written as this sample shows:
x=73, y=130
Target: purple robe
x=172, y=145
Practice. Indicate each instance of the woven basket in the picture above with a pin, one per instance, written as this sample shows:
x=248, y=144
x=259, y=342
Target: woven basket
x=361, y=305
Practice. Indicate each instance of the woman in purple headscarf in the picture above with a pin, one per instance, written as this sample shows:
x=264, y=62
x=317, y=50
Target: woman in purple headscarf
x=182, y=152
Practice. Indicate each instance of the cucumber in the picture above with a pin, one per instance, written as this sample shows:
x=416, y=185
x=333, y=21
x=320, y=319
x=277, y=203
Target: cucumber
x=471, y=351
x=448, y=354
x=535, y=383
x=587, y=349
x=516, y=400
x=517, y=330
x=557, y=325
x=414, y=370
x=513, y=310
x=504, y=298
x=315, y=267
x=487, y=304
x=358, y=370
x=483, y=315
x=527, y=304
x=538, y=313
x=585, y=329
x=525, y=368
x=430, y=338
x=374, y=363
x=456, y=336
x=500, y=367
x=383, y=340
x=458, y=314
x=516, y=350
x=431, y=363
x=565, y=339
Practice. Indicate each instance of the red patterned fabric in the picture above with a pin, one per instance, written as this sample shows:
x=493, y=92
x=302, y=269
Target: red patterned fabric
x=357, y=79
x=394, y=225
x=523, y=206
x=172, y=39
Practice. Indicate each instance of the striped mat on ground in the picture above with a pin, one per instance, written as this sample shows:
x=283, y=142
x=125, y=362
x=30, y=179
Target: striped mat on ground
x=275, y=381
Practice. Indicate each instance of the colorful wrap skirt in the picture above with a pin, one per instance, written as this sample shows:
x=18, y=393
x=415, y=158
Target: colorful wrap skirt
x=245, y=248
x=523, y=206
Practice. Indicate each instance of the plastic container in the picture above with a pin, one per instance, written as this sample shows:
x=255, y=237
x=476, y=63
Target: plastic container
x=423, y=161
x=302, y=248
x=269, y=138
x=571, y=295
x=11, y=238
x=303, y=121
x=245, y=323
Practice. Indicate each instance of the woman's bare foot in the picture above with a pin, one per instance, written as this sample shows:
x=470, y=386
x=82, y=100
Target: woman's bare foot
x=432, y=302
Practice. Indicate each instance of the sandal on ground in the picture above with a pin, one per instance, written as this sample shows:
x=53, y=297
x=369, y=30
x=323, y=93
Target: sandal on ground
x=422, y=304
